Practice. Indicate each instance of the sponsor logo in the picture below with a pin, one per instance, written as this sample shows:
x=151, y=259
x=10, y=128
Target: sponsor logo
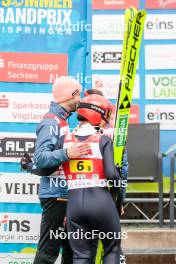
x=113, y=29
x=164, y=114
x=32, y=67
x=9, y=225
x=15, y=147
x=4, y=102
x=159, y=115
x=109, y=85
x=106, y=57
x=10, y=258
x=12, y=148
x=156, y=25
x=75, y=92
x=19, y=228
x=160, y=57
x=134, y=114
x=133, y=117
x=1, y=63
x=19, y=188
x=24, y=107
x=166, y=4
x=37, y=17
x=160, y=26
x=96, y=108
x=114, y=4
x=129, y=78
x=161, y=87
x=122, y=131
x=24, y=256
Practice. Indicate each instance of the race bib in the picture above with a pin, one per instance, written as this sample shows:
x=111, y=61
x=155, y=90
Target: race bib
x=81, y=166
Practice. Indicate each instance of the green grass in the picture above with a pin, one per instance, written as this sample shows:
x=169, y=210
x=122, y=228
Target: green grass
x=149, y=187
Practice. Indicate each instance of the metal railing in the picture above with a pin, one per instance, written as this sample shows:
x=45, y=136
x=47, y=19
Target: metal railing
x=172, y=196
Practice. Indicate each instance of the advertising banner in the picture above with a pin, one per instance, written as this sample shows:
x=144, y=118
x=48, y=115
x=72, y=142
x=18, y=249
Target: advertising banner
x=114, y=4
x=19, y=188
x=109, y=85
x=32, y=67
x=160, y=26
x=106, y=57
x=14, y=145
x=113, y=29
x=24, y=107
x=39, y=41
x=160, y=57
x=160, y=4
x=54, y=27
x=16, y=258
x=19, y=228
x=161, y=86
x=164, y=114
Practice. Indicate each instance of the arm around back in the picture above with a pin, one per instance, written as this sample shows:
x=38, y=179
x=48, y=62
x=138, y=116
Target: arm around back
x=47, y=153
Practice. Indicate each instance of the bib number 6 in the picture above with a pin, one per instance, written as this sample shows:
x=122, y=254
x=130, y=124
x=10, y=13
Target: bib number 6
x=81, y=166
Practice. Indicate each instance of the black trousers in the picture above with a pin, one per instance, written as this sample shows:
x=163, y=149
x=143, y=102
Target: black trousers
x=52, y=224
x=93, y=209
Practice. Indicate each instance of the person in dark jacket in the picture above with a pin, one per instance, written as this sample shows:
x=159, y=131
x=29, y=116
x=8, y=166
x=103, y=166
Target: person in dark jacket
x=90, y=205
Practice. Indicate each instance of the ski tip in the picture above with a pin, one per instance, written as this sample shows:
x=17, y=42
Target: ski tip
x=135, y=11
x=131, y=9
x=143, y=11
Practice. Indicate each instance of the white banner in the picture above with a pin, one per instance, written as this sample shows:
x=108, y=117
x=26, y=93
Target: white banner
x=14, y=145
x=160, y=26
x=19, y=188
x=106, y=57
x=108, y=27
x=109, y=85
x=160, y=57
x=12, y=258
x=24, y=107
x=164, y=114
x=160, y=86
x=19, y=228
x=16, y=258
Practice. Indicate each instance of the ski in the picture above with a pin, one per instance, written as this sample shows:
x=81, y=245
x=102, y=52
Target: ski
x=129, y=16
x=131, y=23
x=126, y=86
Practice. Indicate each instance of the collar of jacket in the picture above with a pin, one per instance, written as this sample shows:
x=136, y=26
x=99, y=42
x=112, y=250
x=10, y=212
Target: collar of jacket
x=59, y=110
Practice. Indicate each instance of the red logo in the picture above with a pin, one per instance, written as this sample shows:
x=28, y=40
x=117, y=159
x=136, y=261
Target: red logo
x=160, y=4
x=1, y=63
x=134, y=114
x=98, y=83
x=32, y=67
x=4, y=103
x=114, y=4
